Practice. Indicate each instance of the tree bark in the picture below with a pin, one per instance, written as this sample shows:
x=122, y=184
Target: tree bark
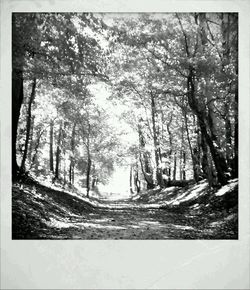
x=131, y=179
x=88, y=174
x=31, y=139
x=236, y=141
x=147, y=176
x=136, y=179
x=146, y=170
x=32, y=97
x=170, y=146
x=195, y=160
x=174, y=171
x=51, y=141
x=72, y=157
x=184, y=166
x=156, y=144
x=182, y=151
x=204, y=159
x=17, y=89
x=229, y=31
x=58, y=152
x=17, y=100
x=89, y=161
x=39, y=135
x=228, y=134
x=218, y=158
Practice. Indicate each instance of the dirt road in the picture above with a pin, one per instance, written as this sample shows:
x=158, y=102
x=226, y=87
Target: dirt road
x=42, y=213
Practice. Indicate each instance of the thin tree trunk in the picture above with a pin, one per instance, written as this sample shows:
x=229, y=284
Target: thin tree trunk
x=72, y=157
x=204, y=160
x=31, y=139
x=131, y=179
x=70, y=173
x=182, y=151
x=58, y=152
x=32, y=96
x=144, y=167
x=17, y=100
x=236, y=141
x=194, y=161
x=147, y=176
x=235, y=172
x=88, y=162
x=88, y=174
x=170, y=146
x=136, y=179
x=156, y=144
x=51, y=141
x=228, y=137
x=39, y=135
x=174, y=171
x=63, y=142
x=180, y=164
x=184, y=166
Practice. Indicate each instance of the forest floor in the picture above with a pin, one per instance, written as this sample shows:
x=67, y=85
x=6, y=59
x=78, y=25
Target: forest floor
x=193, y=212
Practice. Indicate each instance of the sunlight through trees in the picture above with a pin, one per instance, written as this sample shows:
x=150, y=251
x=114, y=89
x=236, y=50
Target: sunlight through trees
x=155, y=93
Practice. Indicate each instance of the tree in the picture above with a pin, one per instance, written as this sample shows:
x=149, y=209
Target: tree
x=40, y=50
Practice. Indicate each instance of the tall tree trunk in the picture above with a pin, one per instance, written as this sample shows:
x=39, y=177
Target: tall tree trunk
x=70, y=173
x=88, y=173
x=174, y=171
x=34, y=158
x=184, y=166
x=89, y=161
x=72, y=157
x=170, y=146
x=195, y=160
x=31, y=139
x=228, y=134
x=218, y=158
x=63, y=142
x=204, y=159
x=235, y=172
x=58, y=152
x=229, y=31
x=236, y=141
x=17, y=100
x=144, y=159
x=51, y=141
x=147, y=176
x=156, y=143
x=182, y=150
x=136, y=179
x=32, y=97
x=131, y=179
x=17, y=89
x=180, y=164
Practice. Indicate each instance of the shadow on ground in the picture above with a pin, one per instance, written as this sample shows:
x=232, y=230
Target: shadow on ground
x=39, y=212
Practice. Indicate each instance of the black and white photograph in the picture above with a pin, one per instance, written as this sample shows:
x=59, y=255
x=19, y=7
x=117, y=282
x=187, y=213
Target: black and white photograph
x=125, y=144
x=125, y=126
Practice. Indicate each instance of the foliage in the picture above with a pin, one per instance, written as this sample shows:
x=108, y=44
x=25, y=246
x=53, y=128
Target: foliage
x=156, y=91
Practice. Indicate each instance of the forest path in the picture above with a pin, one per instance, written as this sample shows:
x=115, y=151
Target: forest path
x=125, y=221
x=40, y=212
